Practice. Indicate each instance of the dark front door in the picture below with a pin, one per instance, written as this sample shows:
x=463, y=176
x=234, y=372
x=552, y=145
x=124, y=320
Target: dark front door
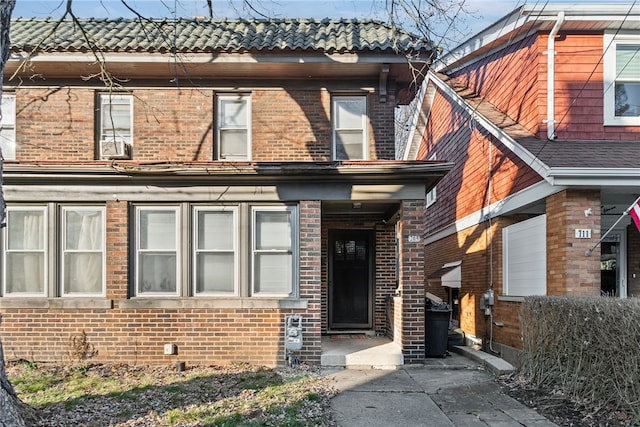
x=350, y=279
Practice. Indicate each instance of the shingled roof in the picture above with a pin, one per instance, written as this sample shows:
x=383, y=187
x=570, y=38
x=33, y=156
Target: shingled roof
x=193, y=35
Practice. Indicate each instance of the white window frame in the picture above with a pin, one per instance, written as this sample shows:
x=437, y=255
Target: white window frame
x=196, y=251
x=220, y=128
x=611, y=42
x=335, y=130
x=432, y=194
x=64, y=251
x=106, y=101
x=8, y=124
x=177, y=250
x=44, y=251
x=293, y=251
x=524, y=257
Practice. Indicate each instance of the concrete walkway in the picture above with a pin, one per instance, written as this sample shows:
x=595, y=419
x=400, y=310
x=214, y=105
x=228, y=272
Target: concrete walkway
x=455, y=391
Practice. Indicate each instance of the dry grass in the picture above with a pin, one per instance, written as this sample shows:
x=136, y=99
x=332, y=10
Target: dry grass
x=120, y=395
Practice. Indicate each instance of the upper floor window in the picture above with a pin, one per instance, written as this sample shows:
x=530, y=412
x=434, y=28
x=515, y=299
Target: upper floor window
x=349, y=120
x=622, y=80
x=8, y=126
x=233, y=127
x=79, y=232
x=115, y=133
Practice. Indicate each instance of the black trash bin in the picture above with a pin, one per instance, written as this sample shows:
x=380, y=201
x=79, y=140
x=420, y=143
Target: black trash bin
x=436, y=329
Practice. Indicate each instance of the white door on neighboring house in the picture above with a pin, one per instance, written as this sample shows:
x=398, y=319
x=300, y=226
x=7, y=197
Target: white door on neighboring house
x=613, y=263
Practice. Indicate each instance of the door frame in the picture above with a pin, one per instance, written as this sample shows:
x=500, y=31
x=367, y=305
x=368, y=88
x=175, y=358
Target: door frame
x=332, y=233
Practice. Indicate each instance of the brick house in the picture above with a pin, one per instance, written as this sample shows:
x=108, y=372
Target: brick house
x=193, y=183
x=540, y=115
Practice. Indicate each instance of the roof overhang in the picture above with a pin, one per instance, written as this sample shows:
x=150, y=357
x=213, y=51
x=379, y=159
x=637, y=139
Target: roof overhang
x=594, y=177
x=214, y=66
x=230, y=173
x=529, y=19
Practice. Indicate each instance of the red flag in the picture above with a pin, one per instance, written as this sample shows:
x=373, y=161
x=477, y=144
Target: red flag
x=634, y=211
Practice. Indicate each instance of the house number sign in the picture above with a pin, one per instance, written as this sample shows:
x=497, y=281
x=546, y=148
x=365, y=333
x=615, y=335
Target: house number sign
x=414, y=238
x=583, y=233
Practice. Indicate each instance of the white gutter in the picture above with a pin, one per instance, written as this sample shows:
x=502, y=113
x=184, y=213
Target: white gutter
x=551, y=54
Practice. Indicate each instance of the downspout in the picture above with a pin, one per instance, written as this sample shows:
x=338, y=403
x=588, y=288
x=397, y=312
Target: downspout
x=551, y=53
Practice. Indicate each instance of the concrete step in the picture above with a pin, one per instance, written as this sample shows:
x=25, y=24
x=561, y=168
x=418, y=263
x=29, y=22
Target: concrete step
x=361, y=352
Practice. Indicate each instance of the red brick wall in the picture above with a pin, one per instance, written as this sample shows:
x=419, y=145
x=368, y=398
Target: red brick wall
x=177, y=125
x=569, y=271
x=137, y=335
x=479, y=248
x=411, y=283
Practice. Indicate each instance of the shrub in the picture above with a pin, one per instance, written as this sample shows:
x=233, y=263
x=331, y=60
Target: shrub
x=588, y=347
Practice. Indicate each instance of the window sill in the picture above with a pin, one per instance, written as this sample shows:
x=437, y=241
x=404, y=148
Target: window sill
x=56, y=303
x=510, y=298
x=213, y=302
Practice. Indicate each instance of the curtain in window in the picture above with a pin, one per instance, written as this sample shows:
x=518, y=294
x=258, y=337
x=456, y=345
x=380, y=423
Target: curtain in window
x=25, y=252
x=83, y=252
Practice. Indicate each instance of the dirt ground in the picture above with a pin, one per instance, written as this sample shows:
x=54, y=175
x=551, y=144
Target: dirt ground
x=561, y=410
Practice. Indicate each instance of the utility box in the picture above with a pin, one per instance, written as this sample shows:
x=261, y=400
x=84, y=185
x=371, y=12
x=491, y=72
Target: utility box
x=293, y=332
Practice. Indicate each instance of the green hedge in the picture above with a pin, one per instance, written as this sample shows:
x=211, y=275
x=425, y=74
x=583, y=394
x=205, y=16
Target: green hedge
x=587, y=347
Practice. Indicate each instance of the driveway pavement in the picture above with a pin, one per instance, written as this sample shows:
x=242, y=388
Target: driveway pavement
x=455, y=391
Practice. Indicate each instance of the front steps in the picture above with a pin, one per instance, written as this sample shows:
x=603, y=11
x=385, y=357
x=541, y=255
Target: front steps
x=360, y=352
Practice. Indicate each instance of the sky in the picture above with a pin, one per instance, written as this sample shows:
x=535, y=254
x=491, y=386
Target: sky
x=480, y=13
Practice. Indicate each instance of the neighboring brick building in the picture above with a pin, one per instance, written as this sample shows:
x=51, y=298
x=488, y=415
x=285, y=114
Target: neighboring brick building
x=541, y=115
x=195, y=182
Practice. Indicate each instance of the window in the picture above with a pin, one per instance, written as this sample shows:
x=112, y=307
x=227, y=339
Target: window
x=349, y=127
x=236, y=250
x=622, y=80
x=525, y=257
x=272, y=250
x=233, y=130
x=28, y=263
x=83, y=248
x=116, y=126
x=157, y=250
x=8, y=126
x=215, y=258
x=431, y=195
x=25, y=252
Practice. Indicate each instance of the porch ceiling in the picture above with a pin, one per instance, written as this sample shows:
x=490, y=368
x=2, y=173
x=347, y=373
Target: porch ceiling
x=381, y=209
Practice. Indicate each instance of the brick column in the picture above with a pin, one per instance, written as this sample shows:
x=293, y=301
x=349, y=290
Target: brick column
x=310, y=277
x=569, y=271
x=411, y=279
